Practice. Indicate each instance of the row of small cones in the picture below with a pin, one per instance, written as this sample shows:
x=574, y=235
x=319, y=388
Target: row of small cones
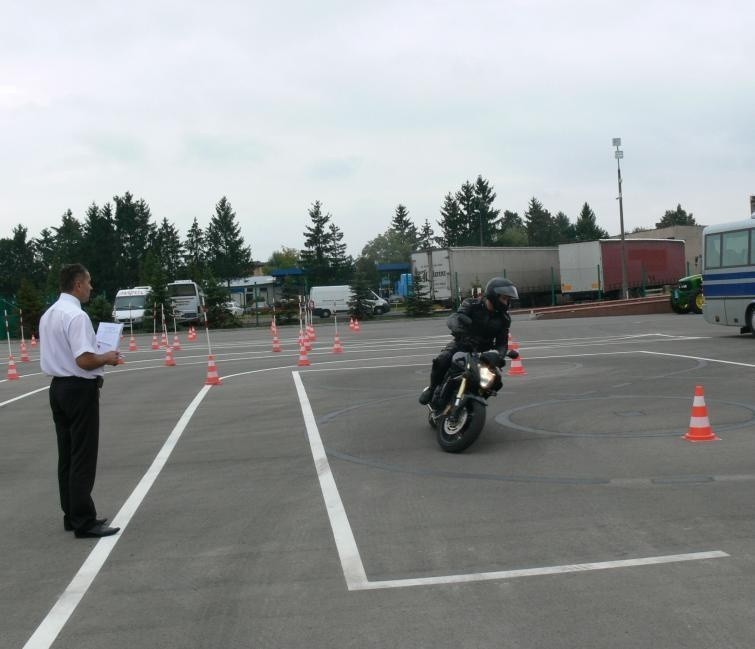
x=163, y=344
x=306, y=336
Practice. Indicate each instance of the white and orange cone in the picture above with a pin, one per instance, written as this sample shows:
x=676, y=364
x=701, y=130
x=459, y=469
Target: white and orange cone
x=132, y=344
x=24, y=353
x=311, y=335
x=351, y=323
x=176, y=343
x=212, y=372
x=357, y=328
x=699, y=424
x=169, y=360
x=164, y=340
x=276, y=343
x=12, y=371
x=33, y=341
x=303, y=360
x=516, y=368
x=155, y=344
x=337, y=346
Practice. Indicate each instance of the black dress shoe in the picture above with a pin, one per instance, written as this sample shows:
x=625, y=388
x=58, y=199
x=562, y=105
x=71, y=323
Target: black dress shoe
x=426, y=396
x=69, y=528
x=96, y=532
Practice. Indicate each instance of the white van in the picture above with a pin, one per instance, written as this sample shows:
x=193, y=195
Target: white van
x=326, y=300
x=130, y=304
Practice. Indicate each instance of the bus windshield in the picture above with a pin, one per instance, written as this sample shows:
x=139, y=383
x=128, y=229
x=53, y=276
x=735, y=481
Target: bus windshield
x=182, y=290
x=126, y=302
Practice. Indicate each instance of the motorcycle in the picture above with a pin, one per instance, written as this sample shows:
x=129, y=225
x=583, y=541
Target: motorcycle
x=457, y=411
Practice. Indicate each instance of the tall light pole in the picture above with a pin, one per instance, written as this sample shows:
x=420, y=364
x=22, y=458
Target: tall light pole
x=619, y=154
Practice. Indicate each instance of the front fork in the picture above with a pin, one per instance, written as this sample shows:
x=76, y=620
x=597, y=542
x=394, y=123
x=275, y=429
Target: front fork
x=460, y=393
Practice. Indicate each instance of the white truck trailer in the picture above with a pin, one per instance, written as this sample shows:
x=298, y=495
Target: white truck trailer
x=453, y=274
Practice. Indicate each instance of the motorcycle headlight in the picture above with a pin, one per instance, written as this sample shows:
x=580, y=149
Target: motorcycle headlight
x=487, y=376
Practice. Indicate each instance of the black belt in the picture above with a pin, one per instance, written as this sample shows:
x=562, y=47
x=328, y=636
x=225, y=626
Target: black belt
x=78, y=379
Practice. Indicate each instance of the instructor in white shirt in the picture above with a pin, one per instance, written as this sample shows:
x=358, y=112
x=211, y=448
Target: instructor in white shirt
x=68, y=354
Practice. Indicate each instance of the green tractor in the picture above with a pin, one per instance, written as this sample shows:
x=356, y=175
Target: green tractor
x=688, y=295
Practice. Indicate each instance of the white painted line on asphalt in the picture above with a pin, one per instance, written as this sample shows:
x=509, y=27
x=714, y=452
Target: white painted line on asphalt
x=346, y=545
x=56, y=619
x=23, y=396
x=538, y=572
x=699, y=358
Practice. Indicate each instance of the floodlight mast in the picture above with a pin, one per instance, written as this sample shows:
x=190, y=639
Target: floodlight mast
x=619, y=154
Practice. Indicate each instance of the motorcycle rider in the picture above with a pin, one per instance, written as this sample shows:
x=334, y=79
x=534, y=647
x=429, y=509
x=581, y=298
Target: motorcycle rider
x=479, y=324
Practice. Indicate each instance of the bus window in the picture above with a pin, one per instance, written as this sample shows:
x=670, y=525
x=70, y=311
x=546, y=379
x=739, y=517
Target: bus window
x=713, y=251
x=736, y=246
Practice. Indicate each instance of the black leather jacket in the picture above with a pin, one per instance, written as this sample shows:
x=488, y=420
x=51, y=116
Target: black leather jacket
x=475, y=327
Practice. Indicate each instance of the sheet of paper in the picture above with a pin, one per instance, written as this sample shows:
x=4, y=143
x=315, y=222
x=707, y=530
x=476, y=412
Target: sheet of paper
x=108, y=336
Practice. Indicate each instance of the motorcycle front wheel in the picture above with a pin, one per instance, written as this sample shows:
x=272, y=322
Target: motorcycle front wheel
x=457, y=434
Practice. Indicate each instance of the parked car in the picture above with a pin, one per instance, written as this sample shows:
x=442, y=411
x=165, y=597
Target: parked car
x=688, y=295
x=233, y=308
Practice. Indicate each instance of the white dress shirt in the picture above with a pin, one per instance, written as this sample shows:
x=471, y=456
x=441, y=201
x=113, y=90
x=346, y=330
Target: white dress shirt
x=65, y=333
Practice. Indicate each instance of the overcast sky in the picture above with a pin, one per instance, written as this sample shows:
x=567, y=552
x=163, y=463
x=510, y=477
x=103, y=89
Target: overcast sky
x=366, y=105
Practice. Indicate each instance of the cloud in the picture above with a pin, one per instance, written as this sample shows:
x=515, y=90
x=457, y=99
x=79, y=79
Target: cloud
x=335, y=168
x=221, y=149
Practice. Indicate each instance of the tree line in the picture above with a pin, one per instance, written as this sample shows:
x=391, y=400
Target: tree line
x=123, y=245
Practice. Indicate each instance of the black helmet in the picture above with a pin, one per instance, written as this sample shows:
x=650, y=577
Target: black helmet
x=500, y=286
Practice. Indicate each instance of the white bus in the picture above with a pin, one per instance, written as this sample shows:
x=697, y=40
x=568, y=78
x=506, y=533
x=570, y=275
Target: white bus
x=729, y=274
x=187, y=299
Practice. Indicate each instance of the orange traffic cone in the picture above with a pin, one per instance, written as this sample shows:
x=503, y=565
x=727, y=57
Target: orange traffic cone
x=311, y=332
x=351, y=323
x=33, y=341
x=337, y=346
x=176, y=343
x=357, y=328
x=164, y=340
x=212, y=372
x=132, y=344
x=303, y=360
x=169, y=362
x=699, y=424
x=192, y=334
x=155, y=344
x=513, y=344
x=276, y=343
x=24, y=353
x=12, y=372
x=516, y=368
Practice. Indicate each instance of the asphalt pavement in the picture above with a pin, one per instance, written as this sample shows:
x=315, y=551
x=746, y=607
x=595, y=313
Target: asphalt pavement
x=310, y=506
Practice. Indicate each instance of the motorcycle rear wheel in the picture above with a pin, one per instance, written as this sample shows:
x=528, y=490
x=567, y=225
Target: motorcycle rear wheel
x=454, y=436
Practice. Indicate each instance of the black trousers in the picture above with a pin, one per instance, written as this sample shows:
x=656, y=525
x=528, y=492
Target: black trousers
x=442, y=362
x=75, y=404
